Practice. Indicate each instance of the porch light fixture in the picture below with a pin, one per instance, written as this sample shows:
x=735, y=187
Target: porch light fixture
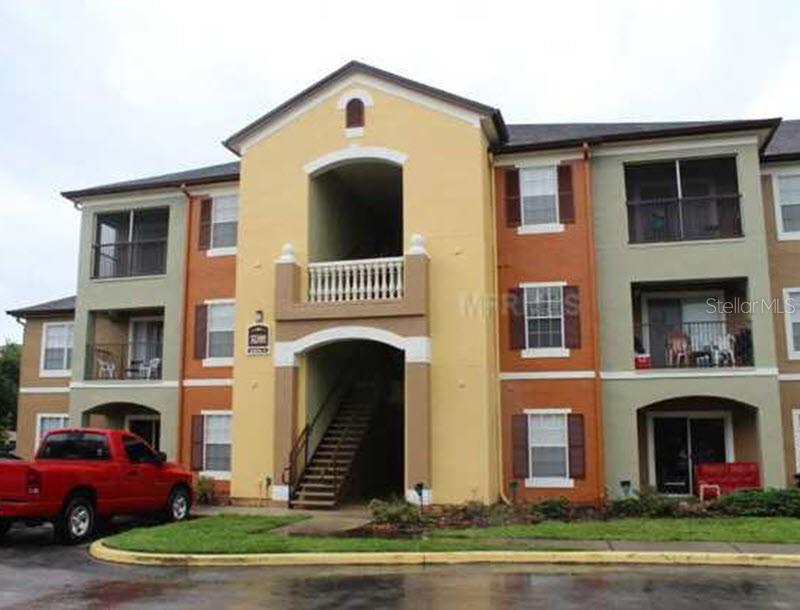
x=513, y=485
x=259, y=317
x=419, y=489
x=626, y=488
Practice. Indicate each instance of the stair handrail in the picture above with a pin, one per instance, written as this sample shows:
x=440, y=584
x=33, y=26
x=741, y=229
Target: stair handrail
x=343, y=379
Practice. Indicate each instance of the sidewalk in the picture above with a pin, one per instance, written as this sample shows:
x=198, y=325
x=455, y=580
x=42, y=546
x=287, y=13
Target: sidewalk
x=319, y=523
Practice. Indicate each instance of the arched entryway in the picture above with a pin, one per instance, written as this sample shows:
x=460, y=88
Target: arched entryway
x=677, y=434
x=139, y=419
x=371, y=363
x=354, y=406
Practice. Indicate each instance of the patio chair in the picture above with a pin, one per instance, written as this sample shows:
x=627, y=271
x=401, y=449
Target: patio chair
x=678, y=347
x=106, y=368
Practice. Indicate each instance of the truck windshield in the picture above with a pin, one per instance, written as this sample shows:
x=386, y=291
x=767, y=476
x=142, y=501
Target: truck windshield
x=74, y=446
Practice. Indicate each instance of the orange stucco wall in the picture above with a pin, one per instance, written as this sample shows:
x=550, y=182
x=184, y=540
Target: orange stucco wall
x=565, y=256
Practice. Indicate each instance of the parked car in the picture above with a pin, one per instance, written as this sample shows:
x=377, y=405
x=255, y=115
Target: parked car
x=81, y=475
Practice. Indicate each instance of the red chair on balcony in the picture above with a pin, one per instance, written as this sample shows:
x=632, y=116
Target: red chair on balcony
x=722, y=478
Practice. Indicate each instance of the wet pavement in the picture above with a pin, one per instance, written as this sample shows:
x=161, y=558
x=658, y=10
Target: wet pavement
x=37, y=573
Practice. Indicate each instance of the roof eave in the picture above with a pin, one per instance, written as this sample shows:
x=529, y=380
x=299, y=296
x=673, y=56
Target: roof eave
x=771, y=124
x=75, y=196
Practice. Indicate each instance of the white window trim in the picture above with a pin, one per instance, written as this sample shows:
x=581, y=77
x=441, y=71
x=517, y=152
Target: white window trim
x=218, y=475
x=796, y=429
x=53, y=372
x=776, y=204
x=225, y=250
x=548, y=482
x=539, y=229
x=217, y=361
x=791, y=353
x=229, y=251
x=39, y=418
x=543, y=352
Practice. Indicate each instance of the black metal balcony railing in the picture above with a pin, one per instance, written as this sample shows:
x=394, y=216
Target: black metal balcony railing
x=126, y=259
x=683, y=219
x=694, y=345
x=124, y=361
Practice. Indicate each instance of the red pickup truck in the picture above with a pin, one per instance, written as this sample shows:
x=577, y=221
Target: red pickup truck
x=81, y=475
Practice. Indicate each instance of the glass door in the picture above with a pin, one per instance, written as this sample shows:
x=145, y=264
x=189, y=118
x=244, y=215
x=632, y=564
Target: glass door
x=146, y=428
x=680, y=443
x=145, y=349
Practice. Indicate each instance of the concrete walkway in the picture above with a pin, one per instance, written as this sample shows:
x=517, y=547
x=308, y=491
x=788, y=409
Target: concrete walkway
x=319, y=522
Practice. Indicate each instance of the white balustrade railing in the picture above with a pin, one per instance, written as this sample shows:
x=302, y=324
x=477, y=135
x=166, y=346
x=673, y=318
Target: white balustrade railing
x=370, y=279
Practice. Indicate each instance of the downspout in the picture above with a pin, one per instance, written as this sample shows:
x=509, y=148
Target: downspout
x=184, y=314
x=592, y=265
x=495, y=312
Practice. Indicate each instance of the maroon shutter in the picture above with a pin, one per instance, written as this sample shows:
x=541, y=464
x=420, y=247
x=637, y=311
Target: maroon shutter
x=513, y=211
x=204, y=240
x=354, y=113
x=198, y=430
x=572, y=317
x=200, y=328
x=566, y=195
x=520, y=447
x=577, y=446
x=516, y=318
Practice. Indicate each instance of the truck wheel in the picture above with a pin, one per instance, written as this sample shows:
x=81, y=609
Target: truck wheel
x=76, y=522
x=179, y=504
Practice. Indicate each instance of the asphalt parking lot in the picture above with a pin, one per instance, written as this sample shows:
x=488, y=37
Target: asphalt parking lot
x=35, y=572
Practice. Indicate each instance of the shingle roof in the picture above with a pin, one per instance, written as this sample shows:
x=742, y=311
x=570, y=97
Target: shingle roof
x=65, y=305
x=785, y=144
x=539, y=136
x=191, y=177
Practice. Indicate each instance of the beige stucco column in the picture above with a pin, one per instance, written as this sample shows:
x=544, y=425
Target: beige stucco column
x=418, y=432
x=283, y=427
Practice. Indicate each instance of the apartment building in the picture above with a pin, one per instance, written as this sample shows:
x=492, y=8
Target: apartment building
x=395, y=292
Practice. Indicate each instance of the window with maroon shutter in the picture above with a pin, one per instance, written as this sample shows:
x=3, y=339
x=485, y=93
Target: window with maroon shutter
x=520, y=447
x=354, y=112
x=200, y=331
x=198, y=429
x=577, y=446
x=572, y=317
x=204, y=239
x=566, y=196
x=512, y=200
x=515, y=306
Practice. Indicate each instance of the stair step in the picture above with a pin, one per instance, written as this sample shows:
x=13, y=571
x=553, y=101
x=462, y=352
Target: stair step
x=312, y=504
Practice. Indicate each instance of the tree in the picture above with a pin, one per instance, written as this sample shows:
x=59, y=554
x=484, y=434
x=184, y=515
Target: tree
x=9, y=384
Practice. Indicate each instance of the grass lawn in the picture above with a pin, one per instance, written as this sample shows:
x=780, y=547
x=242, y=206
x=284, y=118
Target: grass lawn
x=252, y=534
x=733, y=529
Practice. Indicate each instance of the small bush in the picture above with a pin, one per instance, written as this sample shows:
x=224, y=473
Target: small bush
x=644, y=504
x=554, y=509
x=204, y=491
x=758, y=503
x=398, y=513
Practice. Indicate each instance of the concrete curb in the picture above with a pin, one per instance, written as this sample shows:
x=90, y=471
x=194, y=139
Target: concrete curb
x=100, y=551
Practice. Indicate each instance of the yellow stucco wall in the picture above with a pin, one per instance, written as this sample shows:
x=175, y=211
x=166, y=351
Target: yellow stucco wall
x=447, y=199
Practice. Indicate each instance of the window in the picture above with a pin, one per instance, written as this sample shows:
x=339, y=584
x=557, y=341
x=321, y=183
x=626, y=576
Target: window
x=217, y=442
x=549, y=447
x=544, y=319
x=220, y=330
x=538, y=189
x=684, y=199
x=74, y=446
x=56, y=349
x=354, y=114
x=791, y=300
x=131, y=243
x=224, y=221
x=45, y=422
x=137, y=451
x=787, y=201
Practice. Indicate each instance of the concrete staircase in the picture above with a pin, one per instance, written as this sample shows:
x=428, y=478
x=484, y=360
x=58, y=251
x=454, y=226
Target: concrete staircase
x=321, y=483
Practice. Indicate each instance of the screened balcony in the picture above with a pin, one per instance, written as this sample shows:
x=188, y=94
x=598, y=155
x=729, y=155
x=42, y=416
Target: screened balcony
x=125, y=344
x=130, y=243
x=682, y=200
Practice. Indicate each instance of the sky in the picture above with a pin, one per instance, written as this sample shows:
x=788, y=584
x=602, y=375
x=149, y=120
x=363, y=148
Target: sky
x=95, y=92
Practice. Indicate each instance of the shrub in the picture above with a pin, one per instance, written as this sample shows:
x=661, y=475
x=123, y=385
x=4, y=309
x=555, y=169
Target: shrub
x=644, y=504
x=758, y=503
x=204, y=491
x=554, y=509
x=398, y=513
